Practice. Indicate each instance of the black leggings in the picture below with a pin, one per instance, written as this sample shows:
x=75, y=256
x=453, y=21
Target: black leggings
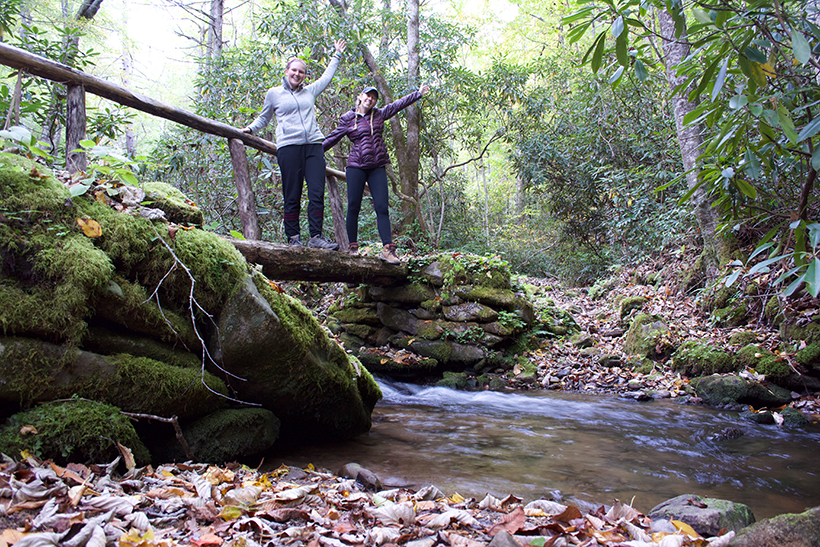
x=376, y=179
x=300, y=163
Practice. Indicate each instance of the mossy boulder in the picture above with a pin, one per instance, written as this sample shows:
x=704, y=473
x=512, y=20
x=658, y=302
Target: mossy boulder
x=224, y=436
x=364, y=316
x=733, y=315
x=648, y=336
x=792, y=529
x=809, y=357
x=414, y=293
x=280, y=358
x=742, y=338
x=793, y=329
x=72, y=431
x=453, y=380
x=33, y=371
x=707, y=516
x=631, y=303
x=764, y=362
x=148, y=280
x=177, y=208
x=730, y=389
x=696, y=359
x=404, y=366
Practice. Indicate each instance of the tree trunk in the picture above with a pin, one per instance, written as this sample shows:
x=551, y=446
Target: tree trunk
x=408, y=154
x=75, y=129
x=281, y=262
x=214, y=45
x=675, y=51
x=337, y=213
x=244, y=187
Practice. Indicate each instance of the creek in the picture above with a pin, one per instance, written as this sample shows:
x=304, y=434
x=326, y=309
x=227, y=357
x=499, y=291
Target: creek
x=591, y=448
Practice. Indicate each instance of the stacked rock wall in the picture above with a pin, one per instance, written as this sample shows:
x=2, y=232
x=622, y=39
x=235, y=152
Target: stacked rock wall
x=454, y=312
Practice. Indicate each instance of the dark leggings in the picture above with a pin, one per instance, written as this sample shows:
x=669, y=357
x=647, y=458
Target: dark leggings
x=298, y=163
x=376, y=179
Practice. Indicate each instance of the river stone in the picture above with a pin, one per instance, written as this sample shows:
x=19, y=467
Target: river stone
x=424, y=315
x=364, y=316
x=434, y=349
x=470, y=311
x=648, y=337
x=414, y=293
x=707, y=521
x=719, y=390
x=497, y=329
x=433, y=274
x=789, y=530
x=397, y=319
x=364, y=477
x=466, y=353
x=34, y=371
x=286, y=362
x=222, y=437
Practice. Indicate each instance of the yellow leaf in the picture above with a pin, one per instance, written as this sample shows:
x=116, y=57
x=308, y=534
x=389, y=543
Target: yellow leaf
x=231, y=512
x=90, y=227
x=383, y=361
x=456, y=498
x=685, y=528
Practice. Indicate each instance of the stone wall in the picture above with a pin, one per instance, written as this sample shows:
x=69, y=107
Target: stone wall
x=454, y=312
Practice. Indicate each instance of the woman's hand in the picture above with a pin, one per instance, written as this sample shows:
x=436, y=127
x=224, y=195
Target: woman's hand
x=340, y=46
x=424, y=89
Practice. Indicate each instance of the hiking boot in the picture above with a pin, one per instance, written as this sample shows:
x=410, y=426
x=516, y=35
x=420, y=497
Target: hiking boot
x=319, y=242
x=353, y=248
x=295, y=241
x=388, y=254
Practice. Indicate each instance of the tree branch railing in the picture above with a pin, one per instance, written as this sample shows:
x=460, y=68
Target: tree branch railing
x=78, y=82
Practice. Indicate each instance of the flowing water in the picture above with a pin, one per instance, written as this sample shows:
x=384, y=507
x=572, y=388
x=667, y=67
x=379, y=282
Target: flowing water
x=589, y=448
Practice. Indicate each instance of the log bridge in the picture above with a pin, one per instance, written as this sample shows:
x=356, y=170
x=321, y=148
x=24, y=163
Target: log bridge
x=278, y=261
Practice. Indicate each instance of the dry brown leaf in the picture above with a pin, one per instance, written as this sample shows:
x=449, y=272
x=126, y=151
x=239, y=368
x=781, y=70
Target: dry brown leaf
x=511, y=523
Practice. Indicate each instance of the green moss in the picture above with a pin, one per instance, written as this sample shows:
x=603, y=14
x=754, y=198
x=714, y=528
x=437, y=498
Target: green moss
x=809, y=356
x=649, y=337
x=176, y=206
x=335, y=371
x=145, y=385
x=763, y=362
x=733, y=315
x=453, y=380
x=72, y=431
x=50, y=268
x=742, y=338
x=695, y=359
x=632, y=303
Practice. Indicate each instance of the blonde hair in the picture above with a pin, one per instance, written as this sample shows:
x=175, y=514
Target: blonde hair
x=356, y=119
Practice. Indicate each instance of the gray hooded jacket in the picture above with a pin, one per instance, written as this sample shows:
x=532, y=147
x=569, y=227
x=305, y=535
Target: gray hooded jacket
x=295, y=110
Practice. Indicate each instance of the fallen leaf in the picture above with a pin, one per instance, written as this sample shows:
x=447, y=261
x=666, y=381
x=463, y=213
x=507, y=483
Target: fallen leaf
x=510, y=523
x=90, y=227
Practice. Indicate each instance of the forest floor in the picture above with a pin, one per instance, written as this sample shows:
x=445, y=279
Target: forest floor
x=43, y=504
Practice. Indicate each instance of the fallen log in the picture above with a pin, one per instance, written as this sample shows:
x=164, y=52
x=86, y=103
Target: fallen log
x=286, y=262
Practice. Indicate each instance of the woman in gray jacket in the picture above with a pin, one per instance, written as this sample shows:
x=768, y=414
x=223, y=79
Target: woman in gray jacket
x=299, y=142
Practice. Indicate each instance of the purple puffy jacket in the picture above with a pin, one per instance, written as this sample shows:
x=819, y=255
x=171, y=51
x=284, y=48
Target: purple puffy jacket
x=365, y=132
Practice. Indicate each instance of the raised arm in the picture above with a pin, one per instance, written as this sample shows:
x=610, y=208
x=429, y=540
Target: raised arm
x=324, y=80
x=390, y=110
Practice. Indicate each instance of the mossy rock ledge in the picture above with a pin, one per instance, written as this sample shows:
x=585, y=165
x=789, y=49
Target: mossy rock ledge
x=157, y=319
x=455, y=312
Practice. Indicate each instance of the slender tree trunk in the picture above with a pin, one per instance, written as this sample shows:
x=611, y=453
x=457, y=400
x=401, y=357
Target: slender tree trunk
x=675, y=51
x=214, y=46
x=408, y=156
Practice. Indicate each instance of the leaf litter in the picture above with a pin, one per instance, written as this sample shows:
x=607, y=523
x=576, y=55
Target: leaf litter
x=43, y=504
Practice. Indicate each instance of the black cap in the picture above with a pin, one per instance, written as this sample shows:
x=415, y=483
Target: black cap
x=371, y=89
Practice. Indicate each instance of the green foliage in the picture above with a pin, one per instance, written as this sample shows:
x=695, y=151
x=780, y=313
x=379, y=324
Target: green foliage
x=752, y=75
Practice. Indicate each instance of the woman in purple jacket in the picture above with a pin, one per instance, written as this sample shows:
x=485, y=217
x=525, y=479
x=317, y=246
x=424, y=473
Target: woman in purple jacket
x=364, y=125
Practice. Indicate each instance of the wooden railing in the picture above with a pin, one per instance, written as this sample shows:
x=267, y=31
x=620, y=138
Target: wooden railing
x=78, y=83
